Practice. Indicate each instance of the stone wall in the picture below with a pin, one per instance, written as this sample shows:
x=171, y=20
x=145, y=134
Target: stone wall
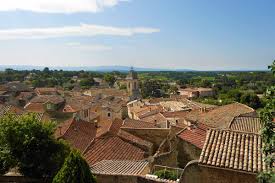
x=200, y=174
x=187, y=152
x=125, y=179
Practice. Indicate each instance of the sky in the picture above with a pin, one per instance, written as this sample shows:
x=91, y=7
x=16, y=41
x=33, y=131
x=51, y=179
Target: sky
x=174, y=34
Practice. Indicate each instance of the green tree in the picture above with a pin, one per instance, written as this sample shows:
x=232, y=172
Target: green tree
x=29, y=145
x=74, y=170
x=251, y=100
x=268, y=134
x=110, y=79
x=86, y=83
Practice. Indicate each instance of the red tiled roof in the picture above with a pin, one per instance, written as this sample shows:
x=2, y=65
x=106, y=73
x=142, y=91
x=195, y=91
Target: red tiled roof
x=131, y=123
x=135, y=140
x=176, y=114
x=109, y=147
x=195, y=135
x=115, y=126
x=233, y=150
x=219, y=117
x=78, y=133
x=46, y=91
x=35, y=107
x=55, y=99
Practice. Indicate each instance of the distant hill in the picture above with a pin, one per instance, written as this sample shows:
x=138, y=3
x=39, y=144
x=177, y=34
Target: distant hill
x=88, y=68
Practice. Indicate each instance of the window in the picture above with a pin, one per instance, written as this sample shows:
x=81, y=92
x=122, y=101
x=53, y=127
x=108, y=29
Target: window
x=109, y=114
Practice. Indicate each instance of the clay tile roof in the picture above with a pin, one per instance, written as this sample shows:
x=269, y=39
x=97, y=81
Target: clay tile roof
x=194, y=135
x=55, y=99
x=246, y=124
x=233, y=150
x=25, y=95
x=221, y=117
x=146, y=145
x=115, y=126
x=131, y=123
x=4, y=109
x=109, y=147
x=155, y=117
x=118, y=167
x=175, y=114
x=46, y=91
x=77, y=132
x=34, y=107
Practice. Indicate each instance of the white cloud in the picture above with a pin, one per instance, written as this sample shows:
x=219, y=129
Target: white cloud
x=57, y=6
x=84, y=30
x=89, y=47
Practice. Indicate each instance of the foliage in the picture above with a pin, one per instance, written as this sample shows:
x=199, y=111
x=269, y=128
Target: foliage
x=74, y=170
x=110, y=79
x=268, y=134
x=154, y=88
x=166, y=174
x=86, y=83
x=29, y=145
x=251, y=100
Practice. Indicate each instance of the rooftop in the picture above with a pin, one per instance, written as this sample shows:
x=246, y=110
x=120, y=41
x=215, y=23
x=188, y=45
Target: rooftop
x=131, y=123
x=233, y=150
x=119, y=167
x=246, y=124
x=194, y=135
x=112, y=147
x=77, y=132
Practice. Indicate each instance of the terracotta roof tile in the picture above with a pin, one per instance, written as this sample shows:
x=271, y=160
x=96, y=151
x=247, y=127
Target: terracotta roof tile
x=233, y=150
x=35, y=107
x=219, y=117
x=146, y=145
x=194, y=135
x=117, y=167
x=131, y=123
x=78, y=133
x=109, y=147
x=246, y=124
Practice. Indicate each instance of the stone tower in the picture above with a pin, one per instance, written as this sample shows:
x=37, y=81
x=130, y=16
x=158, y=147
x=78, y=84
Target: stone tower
x=133, y=85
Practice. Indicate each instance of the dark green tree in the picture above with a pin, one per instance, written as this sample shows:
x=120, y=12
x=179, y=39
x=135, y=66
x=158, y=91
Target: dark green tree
x=74, y=170
x=29, y=145
x=110, y=79
x=251, y=100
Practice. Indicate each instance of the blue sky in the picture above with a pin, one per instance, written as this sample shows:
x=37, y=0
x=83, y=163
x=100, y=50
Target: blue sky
x=201, y=34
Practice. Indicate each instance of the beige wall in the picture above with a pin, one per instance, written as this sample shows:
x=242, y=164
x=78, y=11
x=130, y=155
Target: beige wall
x=197, y=174
x=187, y=152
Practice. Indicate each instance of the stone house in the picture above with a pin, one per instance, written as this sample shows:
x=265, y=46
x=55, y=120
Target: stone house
x=227, y=156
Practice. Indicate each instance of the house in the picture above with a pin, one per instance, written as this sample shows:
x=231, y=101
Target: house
x=78, y=133
x=112, y=147
x=122, y=171
x=197, y=92
x=246, y=124
x=110, y=108
x=45, y=103
x=229, y=156
x=80, y=106
x=9, y=91
x=46, y=91
x=220, y=117
x=190, y=143
x=24, y=97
